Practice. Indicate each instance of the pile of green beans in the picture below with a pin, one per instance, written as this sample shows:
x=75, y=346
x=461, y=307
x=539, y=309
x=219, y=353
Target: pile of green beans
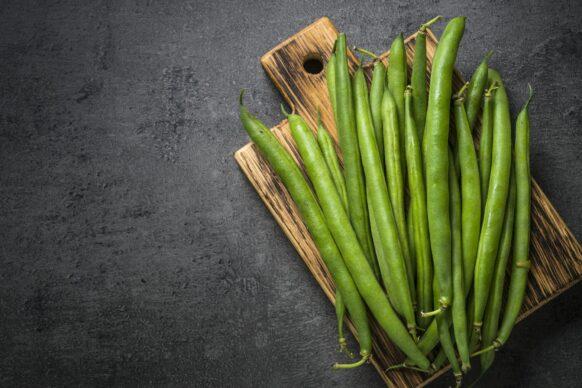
x=419, y=225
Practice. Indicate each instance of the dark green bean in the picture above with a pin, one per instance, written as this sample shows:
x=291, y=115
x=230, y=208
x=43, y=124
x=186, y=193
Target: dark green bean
x=493, y=309
x=380, y=203
x=485, y=143
x=348, y=139
x=418, y=77
x=346, y=239
x=437, y=164
x=312, y=215
x=395, y=179
x=496, y=200
x=418, y=213
x=470, y=189
x=521, y=262
x=459, y=312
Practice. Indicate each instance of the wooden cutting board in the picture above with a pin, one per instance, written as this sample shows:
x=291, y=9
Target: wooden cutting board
x=555, y=253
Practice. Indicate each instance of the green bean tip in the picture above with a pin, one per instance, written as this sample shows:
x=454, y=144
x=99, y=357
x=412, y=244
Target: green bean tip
x=240, y=97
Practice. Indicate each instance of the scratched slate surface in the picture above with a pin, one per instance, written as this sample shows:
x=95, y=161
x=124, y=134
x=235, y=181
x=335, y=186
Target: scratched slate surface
x=132, y=249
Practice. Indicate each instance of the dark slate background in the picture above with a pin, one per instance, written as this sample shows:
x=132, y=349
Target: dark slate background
x=133, y=251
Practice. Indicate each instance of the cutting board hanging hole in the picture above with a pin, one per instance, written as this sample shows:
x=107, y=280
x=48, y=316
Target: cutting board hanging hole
x=313, y=64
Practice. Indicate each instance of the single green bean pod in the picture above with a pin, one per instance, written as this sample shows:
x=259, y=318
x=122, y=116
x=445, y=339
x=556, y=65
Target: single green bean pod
x=476, y=89
x=330, y=80
x=437, y=157
x=331, y=160
x=347, y=242
x=459, y=312
x=485, y=143
x=494, y=212
x=288, y=171
x=395, y=179
x=380, y=204
x=470, y=188
x=418, y=77
x=419, y=227
x=397, y=80
x=376, y=95
x=493, y=310
x=521, y=235
x=348, y=139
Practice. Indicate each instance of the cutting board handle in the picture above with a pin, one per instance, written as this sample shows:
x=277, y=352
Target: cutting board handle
x=297, y=68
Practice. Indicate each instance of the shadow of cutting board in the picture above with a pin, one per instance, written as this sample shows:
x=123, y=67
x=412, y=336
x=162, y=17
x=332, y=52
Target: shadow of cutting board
x=555, y=253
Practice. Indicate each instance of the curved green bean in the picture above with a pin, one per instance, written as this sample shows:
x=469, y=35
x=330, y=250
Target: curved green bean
x=347, y=242
x=289, y=173
x=496, y=200
x=521, y=263
x=476, y=89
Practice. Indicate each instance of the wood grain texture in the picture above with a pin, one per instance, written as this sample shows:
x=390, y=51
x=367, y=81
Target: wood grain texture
x=555, y=253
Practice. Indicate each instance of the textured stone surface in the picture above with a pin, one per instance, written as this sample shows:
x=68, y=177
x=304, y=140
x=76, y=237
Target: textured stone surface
x=133, y=250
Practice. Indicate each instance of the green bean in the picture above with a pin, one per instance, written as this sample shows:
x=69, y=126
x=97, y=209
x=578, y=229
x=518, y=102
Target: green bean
x=458, y=310
x=470, y=189
x=376, y=94
x=418, y=77
x=443, y=322
x=327, y=149
x=312, y=215
x=396, y=77
x=417, y=191
x=496, y=200
x=493, y=309
x=395, y=179
x=476, y=89
x=348, y=139
x=521, y=262
x=437, y=164
x=485, y=143
x=439, y=360
x=331, y=89
x=382, y=209
x=346, y=239
x=331, y=160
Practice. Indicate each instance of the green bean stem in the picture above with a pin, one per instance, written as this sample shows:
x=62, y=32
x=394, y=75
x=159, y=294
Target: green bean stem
x=521, y=261
x=459, y=313
x=289, y=173
x=348, y=139
x=346, y=239
x=417, y=191
x=382, y=209
x=437, y=164
x=493, y=309
x=485, y=143
x=418, y=77
x=496, y=200
x=395, y=179
x=476, y=89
